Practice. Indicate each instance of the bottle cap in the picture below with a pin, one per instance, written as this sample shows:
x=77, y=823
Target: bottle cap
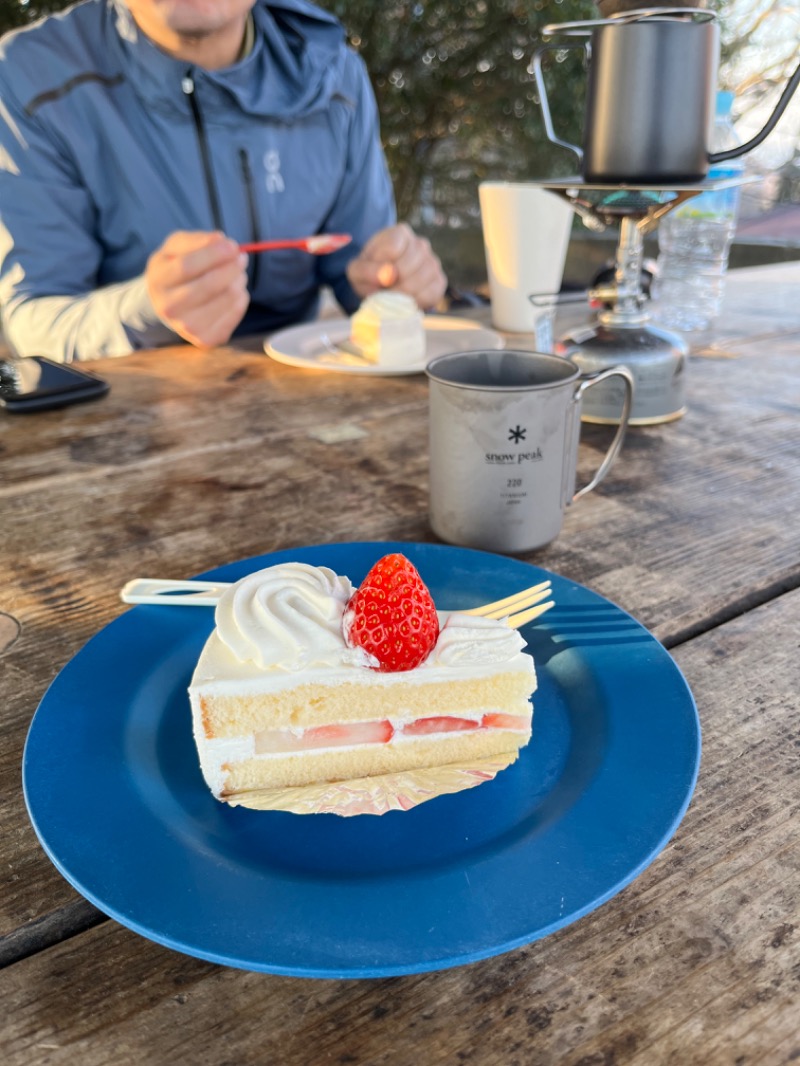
x=724, y=102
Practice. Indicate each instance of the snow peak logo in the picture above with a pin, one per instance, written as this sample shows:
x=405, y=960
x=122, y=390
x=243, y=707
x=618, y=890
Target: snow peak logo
x=516, y=434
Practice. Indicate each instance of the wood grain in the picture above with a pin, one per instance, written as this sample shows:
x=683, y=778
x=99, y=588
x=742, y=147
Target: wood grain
x=697, y=957
x=198, y=458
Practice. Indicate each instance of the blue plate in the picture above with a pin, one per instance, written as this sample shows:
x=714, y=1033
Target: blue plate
x=116, y=797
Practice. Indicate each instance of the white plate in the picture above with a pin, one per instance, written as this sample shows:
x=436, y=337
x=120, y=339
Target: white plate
x=305, y=345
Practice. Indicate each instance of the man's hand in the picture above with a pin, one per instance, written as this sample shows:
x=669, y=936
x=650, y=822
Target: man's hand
x=396, y=258
x=197, y=283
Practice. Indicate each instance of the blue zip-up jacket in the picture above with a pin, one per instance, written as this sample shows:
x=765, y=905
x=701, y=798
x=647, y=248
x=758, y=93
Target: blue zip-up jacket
x=108, y=145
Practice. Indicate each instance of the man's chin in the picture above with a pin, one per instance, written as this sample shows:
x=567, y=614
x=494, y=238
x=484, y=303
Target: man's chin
x=208, y=32
x=196, y=19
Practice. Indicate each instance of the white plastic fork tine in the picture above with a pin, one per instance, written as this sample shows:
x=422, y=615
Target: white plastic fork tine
x=343, y=346
x=500, y=608
x=173, y=593
x=523, y=617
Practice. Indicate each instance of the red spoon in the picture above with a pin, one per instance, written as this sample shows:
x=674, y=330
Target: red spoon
x=323, y=244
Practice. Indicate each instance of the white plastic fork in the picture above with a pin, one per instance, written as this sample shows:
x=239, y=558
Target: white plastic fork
x=521, y=618
x=343, y=352
x=502, y=608
x=173, y=593
x=517, y=610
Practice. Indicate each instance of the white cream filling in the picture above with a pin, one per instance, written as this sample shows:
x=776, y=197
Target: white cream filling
x=216, y=755
x=398, y=739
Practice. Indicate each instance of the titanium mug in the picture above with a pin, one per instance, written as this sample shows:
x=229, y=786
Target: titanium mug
x=504, y=431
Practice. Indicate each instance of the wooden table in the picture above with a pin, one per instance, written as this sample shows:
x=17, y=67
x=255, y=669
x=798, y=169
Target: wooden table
x=196, y=459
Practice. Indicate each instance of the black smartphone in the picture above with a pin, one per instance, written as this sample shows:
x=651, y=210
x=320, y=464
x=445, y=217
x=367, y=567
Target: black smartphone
x=35, y=383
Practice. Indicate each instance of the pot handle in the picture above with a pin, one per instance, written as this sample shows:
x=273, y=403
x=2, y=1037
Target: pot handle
x=536, y=67
x=660, y=14
x=772, y=121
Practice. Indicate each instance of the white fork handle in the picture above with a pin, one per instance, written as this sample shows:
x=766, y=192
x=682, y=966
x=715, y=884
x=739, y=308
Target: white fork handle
x=175, y=593
x=207, y=594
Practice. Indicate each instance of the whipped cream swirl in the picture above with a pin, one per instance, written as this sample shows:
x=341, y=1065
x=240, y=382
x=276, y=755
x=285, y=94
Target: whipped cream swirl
x=287, y=616
x=469, y=639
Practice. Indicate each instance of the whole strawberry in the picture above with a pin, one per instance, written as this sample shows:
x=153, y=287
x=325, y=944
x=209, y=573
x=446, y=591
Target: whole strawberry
x=392, y=615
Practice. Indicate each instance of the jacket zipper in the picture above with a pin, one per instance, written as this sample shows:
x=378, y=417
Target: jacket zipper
x=255, y=229
x=187, y=85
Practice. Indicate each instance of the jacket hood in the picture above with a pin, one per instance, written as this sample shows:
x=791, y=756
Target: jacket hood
x=299, y=50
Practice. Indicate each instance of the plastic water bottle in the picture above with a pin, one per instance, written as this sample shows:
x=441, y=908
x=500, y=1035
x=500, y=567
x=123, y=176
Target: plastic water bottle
x=694, y=241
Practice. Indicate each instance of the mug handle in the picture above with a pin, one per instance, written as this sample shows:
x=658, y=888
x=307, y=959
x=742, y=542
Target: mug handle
x=585, y=383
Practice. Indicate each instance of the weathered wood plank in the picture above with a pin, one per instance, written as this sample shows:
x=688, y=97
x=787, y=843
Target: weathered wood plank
x=187, y=403
x=200, y=508
x=696, y=961
x=52, y=928
x=196, y=459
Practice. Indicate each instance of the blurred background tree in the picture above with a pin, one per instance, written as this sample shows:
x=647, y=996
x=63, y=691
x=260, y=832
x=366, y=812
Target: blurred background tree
x=458, y=103
x=456, y=96
x=15, y=13
x=760, y=50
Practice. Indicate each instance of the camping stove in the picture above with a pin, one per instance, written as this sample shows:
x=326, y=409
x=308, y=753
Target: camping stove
x=623, y=332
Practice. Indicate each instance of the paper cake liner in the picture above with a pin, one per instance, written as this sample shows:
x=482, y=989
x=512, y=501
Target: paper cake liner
x=375, y=795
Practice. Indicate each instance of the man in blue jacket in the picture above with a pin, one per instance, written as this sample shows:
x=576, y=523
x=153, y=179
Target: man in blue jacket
x=141, y=141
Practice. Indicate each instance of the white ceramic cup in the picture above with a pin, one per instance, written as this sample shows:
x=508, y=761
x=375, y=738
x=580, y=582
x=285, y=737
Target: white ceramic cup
x=525, y=236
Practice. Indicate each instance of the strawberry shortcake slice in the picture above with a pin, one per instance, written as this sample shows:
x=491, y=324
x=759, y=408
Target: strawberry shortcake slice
x=307, y=682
